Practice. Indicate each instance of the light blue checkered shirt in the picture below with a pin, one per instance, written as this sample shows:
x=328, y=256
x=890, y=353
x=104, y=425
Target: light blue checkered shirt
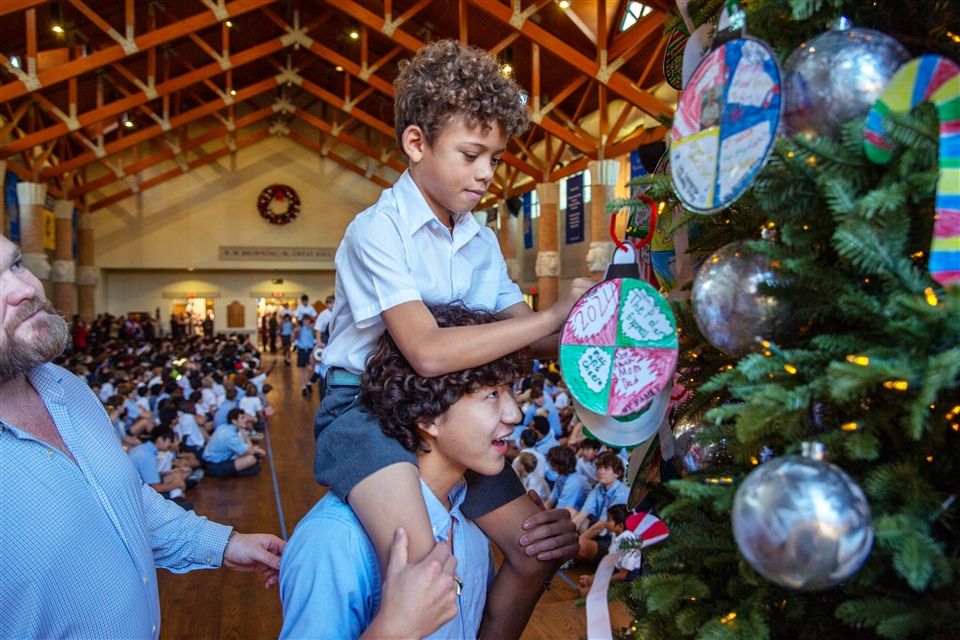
x=80, y=543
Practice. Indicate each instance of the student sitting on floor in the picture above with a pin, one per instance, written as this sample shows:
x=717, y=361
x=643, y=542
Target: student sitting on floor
x=532, y=478
x=229, y=452
x=610, y=490
x=570, y=488
x=629, y=563
x=455, y=424
x=171, y=483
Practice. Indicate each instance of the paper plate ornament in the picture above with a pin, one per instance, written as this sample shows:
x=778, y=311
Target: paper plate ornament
x=933, y=79
x=636, y=431
x=726, y=122
x=618, y=347
x=673, y=58
x=694, y=49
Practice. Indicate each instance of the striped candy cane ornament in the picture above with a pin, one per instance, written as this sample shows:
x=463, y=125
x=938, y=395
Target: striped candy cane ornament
x=935, y=79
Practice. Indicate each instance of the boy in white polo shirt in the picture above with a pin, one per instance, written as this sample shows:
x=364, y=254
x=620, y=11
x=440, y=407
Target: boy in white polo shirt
x=420, y=245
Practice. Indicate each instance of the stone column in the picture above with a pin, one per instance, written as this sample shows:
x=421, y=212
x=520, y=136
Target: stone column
x=508, y=239
x=548, y=258
x=30, y=197
x=603, y=181
x=87, y=273
x=64, y=273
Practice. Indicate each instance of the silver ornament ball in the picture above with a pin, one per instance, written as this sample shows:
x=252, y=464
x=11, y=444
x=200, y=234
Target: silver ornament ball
x=693, y=453
x=802, y=523
x=835, y=77
x=730, y=309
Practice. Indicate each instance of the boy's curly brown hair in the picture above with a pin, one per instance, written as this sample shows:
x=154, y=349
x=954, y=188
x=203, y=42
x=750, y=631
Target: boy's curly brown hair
x=446, y=79
x=399, y=397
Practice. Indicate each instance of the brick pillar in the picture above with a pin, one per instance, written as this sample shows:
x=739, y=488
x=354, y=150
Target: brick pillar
x=603, y=181
x=30, y=197
x=508, y=239
x=548, y=258
x=64, y=273
x=87, y=273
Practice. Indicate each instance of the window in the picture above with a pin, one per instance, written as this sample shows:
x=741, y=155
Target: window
x=586, y=190
x=635, y=11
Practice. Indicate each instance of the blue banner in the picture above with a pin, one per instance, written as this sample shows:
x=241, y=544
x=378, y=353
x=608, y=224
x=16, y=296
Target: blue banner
x=527, y=220
x=636, y=165
x=13, y=206
x=575, y=209
x=75, y=224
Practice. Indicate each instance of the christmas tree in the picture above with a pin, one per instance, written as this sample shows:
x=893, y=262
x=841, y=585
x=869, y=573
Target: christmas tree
x=861, y=354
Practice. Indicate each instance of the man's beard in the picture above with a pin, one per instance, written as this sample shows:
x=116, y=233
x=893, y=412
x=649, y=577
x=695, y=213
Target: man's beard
x=50, y=336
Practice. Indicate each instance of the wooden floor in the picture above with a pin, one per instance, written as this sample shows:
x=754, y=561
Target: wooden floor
x=226, y=605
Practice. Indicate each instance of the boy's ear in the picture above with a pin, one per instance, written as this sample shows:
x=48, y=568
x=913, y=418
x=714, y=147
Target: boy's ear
x=414, y=140
x=428, y=427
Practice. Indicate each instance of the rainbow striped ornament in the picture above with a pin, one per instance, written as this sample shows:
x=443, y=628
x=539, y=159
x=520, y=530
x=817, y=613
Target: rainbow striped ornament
x=935, y=79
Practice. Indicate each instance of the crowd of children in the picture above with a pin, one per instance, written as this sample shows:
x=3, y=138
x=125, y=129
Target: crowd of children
x=182, y=407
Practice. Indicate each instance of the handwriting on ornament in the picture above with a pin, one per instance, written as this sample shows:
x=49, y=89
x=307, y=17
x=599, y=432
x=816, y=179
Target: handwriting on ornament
x=642, y=320
x=595, y=312
x=320, y=254
x=594, y=365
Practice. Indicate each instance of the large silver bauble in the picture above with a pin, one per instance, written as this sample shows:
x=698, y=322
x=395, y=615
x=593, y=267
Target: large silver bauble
x=835, y=77
x=731, y=310
x=802, y=523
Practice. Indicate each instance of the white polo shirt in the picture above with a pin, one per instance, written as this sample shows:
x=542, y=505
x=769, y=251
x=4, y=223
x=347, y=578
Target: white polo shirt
x=398, y=251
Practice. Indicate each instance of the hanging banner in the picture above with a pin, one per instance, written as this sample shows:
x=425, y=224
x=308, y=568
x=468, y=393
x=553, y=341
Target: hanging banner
x=527, y=221
x=13, y=207
x=636, y=165
x=575, y=209
x=75, y=225
x=49, y=229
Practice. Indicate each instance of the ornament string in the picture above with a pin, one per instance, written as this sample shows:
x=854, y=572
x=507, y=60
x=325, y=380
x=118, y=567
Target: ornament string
x=638, y=244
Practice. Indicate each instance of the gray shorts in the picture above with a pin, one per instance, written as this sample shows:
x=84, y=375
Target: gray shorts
x=351, y=446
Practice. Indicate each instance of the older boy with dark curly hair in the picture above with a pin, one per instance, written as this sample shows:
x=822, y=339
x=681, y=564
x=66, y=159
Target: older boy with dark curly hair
x=456, y=425
x=420, y=245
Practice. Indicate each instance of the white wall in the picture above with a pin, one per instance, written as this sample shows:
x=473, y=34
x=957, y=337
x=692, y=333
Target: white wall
x=145, y=244
x=182, y=222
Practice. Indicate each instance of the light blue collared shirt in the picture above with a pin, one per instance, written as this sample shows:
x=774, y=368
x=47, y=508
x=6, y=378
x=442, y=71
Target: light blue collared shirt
x=570, y=491
x=225, y=444
x=144, y=459
x=330, y=578
x=601, y=499
x=81, y=541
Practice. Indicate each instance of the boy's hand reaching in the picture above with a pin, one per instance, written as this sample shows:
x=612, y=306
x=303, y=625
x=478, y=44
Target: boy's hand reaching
x=550, y=535
x=561, y=308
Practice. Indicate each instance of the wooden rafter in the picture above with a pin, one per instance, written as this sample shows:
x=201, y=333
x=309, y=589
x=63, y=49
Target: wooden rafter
x=116, y=52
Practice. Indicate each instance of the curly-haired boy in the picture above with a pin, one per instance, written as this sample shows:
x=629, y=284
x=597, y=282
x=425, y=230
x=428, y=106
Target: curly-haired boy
x=456, y=425
x=419, y=245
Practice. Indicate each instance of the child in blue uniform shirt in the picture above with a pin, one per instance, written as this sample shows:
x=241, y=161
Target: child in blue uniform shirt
x=454, y=424
x=419, y=245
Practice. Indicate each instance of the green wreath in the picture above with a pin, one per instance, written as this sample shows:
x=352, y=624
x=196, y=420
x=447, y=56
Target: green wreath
x=267, y=203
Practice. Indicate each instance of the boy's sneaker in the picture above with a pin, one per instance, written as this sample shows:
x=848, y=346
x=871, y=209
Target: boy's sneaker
x=309, y=388
x=303, y=391
x=196, y=476
x=255, y=436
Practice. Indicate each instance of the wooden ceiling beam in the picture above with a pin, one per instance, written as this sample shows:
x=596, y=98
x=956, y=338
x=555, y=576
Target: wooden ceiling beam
x=173, y=173
x=612, y=78
x=168, y=154
x=116, y=52
x=636, y=139
x=12, y=6
x=319, y=149
x=336, y=133
x=156, y=130
x=119, y=106
x=630, y=41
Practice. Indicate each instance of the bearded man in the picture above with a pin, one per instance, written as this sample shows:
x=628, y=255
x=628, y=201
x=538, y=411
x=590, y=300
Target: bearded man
x=81, y=536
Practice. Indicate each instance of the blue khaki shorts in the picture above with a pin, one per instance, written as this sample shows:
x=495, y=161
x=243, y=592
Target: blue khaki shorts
x=351, y=446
